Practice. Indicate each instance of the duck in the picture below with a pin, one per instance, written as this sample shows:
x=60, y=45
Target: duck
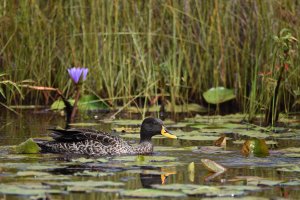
x=99, y=143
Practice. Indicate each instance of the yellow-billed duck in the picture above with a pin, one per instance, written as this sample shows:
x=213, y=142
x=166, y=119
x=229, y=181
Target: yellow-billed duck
x=94, y=142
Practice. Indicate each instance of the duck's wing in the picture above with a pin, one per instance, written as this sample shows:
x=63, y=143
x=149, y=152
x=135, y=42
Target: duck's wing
x=78, y=135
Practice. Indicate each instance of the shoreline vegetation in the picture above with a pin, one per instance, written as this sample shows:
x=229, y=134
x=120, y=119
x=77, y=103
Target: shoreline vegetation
x=144, y=53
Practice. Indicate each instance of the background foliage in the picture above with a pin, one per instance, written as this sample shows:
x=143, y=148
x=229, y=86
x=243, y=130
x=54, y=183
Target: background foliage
x=179, y=48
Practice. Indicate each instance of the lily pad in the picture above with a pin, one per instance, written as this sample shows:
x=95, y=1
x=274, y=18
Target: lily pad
x=32, y=173
x=83, y=160
x=291, y=150
x=253, y=133
x=167, y=149
x=43, y=167
x=175, y=186
x=293, y=168
x=154, y=161
x=292, y=155
x=151, y=193
x=203, y=190
x=29, y=146
x=27, y=190
x=221, y=191
x=211, y=150
x=93, y=173
x=256, y=181
x=218, y=95
x=141, y=158
x=85, y=189
x=291, y=183
x=88, y=183
x=213, y=166
x=255, y=146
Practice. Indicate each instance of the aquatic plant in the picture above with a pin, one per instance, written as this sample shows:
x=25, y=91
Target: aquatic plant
x=183, y=47
x=283, y=44
x=75, y=73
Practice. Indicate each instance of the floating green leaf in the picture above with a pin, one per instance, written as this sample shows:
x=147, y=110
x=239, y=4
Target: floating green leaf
x=291, y=183
x=256, y=181
x=175, y=186
x=29, y=146
x=218, y=95
x=293, y=168
x=141, y=158
x=83, y=160
x=152, y=193
x=211, y=150
x=88, y=183
x=32, y=173
x=92, y=173
x=166, y=148
x=253, y=133
x=255, y=146
x=28, y=190
x=221, y=191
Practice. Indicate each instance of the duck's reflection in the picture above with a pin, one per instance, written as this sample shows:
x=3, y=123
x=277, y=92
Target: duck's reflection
x=160, y=177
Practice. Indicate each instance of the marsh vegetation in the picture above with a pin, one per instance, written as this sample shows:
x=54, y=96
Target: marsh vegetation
x=182, y=61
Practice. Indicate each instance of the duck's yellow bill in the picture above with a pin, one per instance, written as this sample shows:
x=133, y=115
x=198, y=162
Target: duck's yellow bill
x=167, y=134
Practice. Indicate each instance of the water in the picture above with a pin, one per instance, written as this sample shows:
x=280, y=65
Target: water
x=133, y=173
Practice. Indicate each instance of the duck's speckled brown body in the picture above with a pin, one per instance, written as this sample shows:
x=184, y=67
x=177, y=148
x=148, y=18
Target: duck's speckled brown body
x=94, y=142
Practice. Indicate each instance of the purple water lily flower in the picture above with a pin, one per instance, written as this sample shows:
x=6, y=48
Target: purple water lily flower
x=75, y=73
x=84, y=73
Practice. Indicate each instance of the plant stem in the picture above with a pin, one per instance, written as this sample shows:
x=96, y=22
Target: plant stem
x=74, y=111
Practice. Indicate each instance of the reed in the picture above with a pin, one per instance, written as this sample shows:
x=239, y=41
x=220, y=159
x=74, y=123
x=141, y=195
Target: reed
x=184, y=47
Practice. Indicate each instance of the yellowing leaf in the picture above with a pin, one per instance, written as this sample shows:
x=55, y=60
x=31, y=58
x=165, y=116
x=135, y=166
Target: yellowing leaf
x=255, y=146
x=213, y=166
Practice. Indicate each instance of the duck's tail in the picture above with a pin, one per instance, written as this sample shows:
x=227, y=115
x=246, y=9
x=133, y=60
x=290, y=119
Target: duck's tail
x=44, y=145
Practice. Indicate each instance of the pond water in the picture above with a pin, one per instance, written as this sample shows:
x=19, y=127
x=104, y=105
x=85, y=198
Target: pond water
x=175, y=169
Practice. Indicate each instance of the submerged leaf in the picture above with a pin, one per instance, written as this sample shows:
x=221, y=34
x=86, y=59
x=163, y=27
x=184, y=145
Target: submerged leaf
x=29, y=146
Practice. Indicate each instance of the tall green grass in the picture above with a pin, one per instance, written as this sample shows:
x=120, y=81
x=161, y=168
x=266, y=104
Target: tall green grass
x=180, y=48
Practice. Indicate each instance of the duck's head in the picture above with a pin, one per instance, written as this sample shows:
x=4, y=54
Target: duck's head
x=153, y=126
